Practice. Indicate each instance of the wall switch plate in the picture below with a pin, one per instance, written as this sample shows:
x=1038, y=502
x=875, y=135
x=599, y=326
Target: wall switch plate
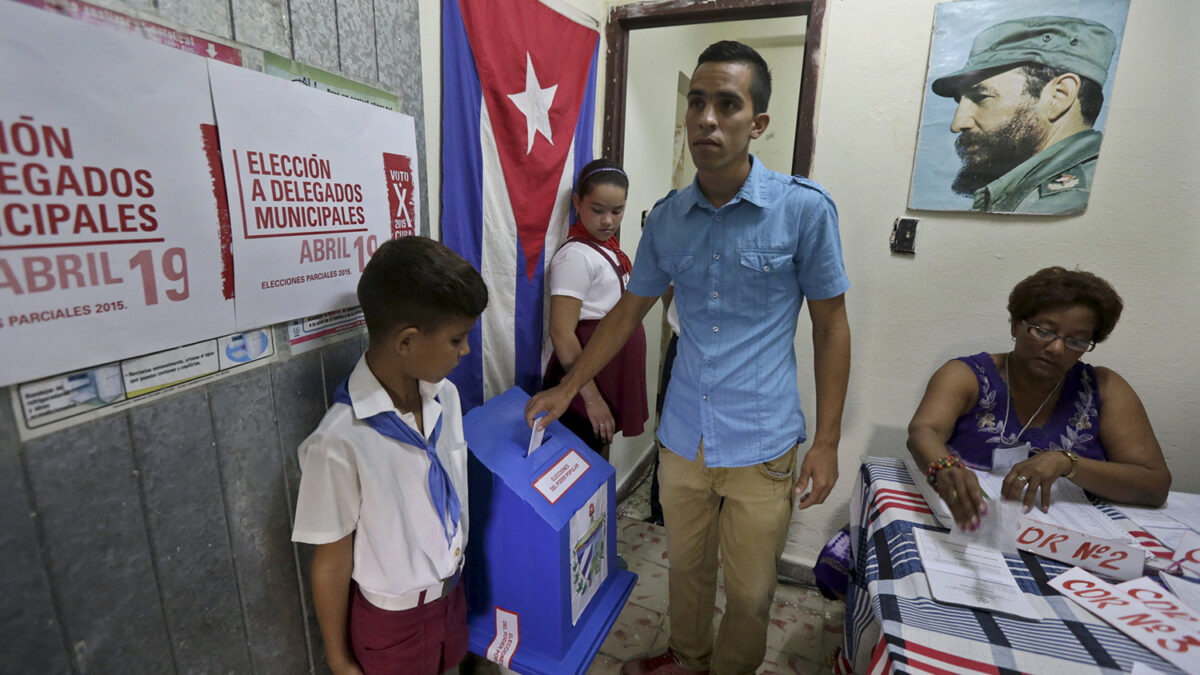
x=904, y=235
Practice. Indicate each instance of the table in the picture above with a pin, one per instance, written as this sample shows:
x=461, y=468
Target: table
x=893, y=625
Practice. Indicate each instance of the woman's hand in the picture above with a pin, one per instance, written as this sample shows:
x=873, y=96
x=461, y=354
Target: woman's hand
x=1036, y=473
x=959, y=488
x=600, y=417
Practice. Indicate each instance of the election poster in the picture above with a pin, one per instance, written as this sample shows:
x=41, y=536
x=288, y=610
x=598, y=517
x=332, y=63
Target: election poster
x=315, y=184
x=109, y=243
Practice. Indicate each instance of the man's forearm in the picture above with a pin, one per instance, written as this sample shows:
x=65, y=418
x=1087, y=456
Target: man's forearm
x=831, y=368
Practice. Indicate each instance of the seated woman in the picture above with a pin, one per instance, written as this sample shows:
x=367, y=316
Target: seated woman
x=1041, y=406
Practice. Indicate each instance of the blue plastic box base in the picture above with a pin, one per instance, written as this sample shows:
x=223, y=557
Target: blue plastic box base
x=596, y=622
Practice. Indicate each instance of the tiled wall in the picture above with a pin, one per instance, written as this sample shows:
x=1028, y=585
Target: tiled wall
x=156, y=540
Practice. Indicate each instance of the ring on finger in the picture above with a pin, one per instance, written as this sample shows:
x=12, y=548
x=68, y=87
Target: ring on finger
x=954, y=495
x=1022, y=479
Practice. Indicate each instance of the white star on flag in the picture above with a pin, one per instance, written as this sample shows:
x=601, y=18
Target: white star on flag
x=534, y=103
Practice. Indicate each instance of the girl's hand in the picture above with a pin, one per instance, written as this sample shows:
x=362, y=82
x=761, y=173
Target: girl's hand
x=959, y=488
x=601, y=418
x=1036, y=473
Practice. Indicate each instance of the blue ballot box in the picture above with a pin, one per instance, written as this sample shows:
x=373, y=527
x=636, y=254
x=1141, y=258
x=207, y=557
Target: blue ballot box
x=543, y=589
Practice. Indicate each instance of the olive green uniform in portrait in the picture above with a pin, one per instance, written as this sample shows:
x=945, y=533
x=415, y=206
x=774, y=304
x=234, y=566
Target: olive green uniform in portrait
x=1056, y=180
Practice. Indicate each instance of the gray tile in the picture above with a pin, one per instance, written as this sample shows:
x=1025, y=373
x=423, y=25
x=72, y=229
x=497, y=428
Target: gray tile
x=264, y=24
x=147, y=5
x=259, y=524
x=356, y=40
x=173, y=443
x=211, y=16
x=398, y=38
x=314, y=33
x=34, y=642
x=297, y=385
x=398, y=46
x=339, y=360
x=86, y=494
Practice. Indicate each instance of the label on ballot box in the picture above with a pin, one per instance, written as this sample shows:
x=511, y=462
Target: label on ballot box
x=1103, y=556
x=561, y=476
x=508, y=636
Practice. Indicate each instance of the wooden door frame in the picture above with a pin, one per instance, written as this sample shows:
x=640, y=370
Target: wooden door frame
x=624, y=18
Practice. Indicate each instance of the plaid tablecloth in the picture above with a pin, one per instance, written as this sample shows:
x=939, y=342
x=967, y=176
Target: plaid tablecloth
x=893, y=625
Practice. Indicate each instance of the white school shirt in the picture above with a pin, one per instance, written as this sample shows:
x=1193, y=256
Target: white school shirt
x=581, y=272
x=354, y=479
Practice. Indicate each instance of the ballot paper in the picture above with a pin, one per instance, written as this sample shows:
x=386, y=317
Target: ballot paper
x=1188, y=592
x=1187, y=553
x=535, y=438
x=1140, y=668
x=1069, y=508
x=939, y=508
x=1169, y=522
x=970, y=575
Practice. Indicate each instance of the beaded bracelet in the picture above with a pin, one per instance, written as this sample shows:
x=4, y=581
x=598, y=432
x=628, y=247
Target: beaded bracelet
x=938, y=464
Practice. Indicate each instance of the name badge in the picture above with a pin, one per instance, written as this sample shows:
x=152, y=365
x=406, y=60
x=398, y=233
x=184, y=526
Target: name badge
x=1005, y=458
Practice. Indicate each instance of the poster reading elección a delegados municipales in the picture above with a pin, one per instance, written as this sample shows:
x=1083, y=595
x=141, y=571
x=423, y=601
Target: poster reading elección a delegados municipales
x=315, y=184
x=109, y=235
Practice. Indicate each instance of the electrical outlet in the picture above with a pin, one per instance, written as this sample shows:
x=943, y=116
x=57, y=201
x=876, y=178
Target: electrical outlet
x=904, y=235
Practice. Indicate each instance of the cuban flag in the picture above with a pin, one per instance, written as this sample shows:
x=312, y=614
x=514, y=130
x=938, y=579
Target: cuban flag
x=518, y=95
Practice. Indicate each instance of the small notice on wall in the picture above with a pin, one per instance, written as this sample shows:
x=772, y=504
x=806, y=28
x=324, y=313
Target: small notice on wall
x=321, y=80
x=54, y=402
x=313, y=331
x=315, y=184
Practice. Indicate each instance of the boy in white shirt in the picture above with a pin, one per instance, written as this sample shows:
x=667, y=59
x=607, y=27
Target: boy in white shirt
x=383, y=491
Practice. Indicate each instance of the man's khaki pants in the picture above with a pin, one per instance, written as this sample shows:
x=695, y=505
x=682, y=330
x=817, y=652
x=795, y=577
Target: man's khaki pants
x=751, y=528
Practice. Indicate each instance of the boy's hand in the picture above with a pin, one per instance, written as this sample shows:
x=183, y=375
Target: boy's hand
x=553, y=402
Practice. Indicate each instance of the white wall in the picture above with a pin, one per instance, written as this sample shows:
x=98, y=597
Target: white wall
x=910, y=314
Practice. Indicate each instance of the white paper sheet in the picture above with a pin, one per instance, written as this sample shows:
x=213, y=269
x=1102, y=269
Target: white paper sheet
x=1069, y=508
x=1188, y=592
x=970, y=575
x=939, y=508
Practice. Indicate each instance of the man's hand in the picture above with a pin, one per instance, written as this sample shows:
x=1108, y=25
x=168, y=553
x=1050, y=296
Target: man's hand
x=553, y=402
x=820, y=465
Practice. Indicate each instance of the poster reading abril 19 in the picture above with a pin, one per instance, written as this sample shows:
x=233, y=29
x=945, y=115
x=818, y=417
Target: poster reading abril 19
x=108, y=218
x=315, y=184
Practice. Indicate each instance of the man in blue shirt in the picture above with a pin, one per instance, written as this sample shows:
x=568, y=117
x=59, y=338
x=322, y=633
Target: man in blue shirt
x=744, y=246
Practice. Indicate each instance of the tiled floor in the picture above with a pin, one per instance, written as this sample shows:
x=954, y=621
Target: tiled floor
x=805, y=627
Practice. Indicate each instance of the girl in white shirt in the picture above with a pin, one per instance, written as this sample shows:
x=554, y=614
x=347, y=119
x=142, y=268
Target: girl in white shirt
x=587, y=278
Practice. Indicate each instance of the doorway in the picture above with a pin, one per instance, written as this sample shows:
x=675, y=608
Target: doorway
x=623, y=19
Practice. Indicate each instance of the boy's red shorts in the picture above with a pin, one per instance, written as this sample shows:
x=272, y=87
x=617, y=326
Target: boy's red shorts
x=430, y=638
